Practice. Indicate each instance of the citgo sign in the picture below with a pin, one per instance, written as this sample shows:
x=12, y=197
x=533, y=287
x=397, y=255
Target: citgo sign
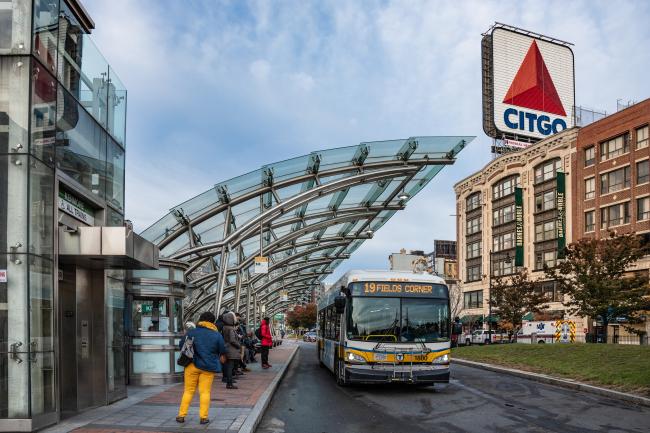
x=530, y=83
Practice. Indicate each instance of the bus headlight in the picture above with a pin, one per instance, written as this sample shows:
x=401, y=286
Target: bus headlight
x=444, y=359
x=354, y=358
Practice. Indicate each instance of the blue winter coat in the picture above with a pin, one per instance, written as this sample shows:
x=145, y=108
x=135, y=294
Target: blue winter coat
x=208, y=345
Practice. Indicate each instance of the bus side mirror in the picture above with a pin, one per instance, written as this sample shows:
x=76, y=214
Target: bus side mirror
x=339, y=304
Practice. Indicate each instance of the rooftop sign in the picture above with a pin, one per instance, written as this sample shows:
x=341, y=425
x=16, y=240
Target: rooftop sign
x=528, y=85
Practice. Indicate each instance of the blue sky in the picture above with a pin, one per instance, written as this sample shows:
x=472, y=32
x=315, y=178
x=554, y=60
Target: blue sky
x=219, y=88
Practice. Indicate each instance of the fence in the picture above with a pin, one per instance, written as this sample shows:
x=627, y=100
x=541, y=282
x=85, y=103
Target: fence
x=634, y=340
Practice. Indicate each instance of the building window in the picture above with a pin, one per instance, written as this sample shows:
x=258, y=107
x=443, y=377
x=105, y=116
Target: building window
x=590, y=188
x=545, y=201
x=547, y=170
x=550, y=291
x=615, y=180
x=643, y=209
x=545, y=258
x=503, y=267
x=505, y=187
x=545, y=231
x=473, y=201
x=612, y=148
x=474, y=273
x=590, y=156
x=503, y=242
x=642, y=137
x=473, y=299
x=503, y=215
x=474, y=250
x=615, y=215
x=590, y=221
x=474, y=225
x=642, y=172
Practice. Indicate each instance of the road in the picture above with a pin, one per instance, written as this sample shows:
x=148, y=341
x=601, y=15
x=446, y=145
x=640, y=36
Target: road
x=309, y=401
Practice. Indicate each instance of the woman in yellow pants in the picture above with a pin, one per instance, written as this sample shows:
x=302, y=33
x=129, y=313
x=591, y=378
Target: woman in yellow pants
x=208, y=347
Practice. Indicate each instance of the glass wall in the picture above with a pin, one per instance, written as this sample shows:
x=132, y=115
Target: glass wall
x=115, y=360
x=81, y=145
x=155, y=299
x=15, y=26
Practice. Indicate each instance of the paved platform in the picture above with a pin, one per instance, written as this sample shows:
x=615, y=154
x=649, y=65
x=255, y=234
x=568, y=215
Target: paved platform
x=154, y=408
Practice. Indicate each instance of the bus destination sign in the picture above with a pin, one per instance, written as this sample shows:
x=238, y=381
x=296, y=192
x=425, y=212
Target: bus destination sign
x=398, y=289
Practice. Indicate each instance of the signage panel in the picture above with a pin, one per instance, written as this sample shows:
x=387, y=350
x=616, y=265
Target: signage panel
x=3, y=275
x=560, y=224
x=519, y=227
x=76, y=208
x=529, y=85
x=261, y=265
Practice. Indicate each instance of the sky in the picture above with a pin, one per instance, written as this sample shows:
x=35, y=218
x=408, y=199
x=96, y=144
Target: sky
x=219, y=88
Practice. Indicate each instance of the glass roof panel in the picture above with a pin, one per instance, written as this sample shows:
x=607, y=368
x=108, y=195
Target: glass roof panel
x=339, y=157
x=159, y=230
x=199, y=204
x=331, y=165
x=289, y=168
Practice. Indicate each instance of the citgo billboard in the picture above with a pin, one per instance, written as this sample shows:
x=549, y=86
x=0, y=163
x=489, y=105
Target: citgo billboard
x=528, y=85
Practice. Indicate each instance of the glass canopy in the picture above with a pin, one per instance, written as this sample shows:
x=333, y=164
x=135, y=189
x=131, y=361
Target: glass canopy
x=306, y=214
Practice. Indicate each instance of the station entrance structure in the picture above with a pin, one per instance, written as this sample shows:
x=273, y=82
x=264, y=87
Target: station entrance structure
x=306, y=215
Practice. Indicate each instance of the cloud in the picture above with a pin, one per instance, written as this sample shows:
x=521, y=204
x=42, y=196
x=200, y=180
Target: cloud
x=220, y=88
x=260, y=70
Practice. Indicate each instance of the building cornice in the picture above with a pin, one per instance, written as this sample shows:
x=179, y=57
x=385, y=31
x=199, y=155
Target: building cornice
x=521, y=158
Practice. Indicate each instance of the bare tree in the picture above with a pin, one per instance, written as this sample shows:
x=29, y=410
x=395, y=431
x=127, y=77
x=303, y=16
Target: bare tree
x=455, y=300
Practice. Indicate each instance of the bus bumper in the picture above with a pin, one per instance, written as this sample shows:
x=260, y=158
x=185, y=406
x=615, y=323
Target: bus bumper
x=368, y=374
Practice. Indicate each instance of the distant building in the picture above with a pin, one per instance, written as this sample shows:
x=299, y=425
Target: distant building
x=413, y=261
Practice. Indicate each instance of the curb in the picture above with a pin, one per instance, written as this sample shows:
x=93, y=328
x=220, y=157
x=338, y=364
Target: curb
x=565, y=383
x=254, y=418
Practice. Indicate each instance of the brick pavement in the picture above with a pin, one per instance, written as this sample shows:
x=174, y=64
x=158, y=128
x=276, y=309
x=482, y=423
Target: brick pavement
x=154, y=409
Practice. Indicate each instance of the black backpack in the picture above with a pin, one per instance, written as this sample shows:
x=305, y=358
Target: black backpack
x=258, y=333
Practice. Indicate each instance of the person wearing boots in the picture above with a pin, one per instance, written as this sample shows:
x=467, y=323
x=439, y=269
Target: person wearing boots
x=233, y=346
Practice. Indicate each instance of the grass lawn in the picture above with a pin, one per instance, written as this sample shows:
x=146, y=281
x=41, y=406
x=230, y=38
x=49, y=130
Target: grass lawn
x=621, y=367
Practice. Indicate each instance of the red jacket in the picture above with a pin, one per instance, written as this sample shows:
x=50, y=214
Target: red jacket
x=267, y=339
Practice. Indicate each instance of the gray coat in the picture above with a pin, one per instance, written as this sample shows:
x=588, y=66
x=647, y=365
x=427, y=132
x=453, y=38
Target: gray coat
x=230, y=336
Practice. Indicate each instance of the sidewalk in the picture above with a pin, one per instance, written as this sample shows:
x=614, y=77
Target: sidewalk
x=154, y=408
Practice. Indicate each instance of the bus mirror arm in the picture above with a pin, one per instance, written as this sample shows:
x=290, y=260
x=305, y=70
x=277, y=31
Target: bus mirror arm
x=339, y=304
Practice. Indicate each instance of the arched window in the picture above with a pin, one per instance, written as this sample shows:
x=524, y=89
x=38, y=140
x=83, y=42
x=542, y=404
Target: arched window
x=473, y=201
x=505, y=187
x=547, y=170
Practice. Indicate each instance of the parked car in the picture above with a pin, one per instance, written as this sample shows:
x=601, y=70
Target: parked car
x=482, y=336
x=309, y=336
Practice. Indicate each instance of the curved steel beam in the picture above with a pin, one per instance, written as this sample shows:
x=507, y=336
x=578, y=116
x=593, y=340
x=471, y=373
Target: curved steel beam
x=291, y=236
x=291, y=203
x=300, y=179
x=207, y=277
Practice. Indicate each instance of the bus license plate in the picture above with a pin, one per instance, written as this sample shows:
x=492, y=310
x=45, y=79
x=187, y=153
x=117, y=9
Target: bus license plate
x=380, y=357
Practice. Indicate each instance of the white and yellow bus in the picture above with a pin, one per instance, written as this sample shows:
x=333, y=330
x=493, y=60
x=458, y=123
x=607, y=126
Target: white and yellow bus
x=385, y=326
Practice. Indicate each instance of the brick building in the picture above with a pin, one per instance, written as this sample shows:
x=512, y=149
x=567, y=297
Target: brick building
x=612, y=182
x=607, y=189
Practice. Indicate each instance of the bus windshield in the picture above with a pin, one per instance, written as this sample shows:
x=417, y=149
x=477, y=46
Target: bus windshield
x=398, y=320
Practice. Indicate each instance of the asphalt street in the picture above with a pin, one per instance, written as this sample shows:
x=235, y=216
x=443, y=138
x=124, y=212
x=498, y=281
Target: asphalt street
x=309, y=401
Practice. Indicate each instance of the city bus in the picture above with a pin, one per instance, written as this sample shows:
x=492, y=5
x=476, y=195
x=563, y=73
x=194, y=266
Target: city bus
x=385, y=327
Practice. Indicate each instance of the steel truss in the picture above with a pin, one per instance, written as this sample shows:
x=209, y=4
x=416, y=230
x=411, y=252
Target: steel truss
x=304, y=238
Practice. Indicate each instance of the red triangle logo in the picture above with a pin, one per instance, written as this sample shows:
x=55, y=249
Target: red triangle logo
x=533, y=87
